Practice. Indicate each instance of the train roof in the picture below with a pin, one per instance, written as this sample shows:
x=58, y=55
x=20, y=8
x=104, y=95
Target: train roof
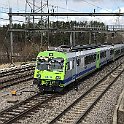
x=87, y=52
x=118, y=45
x=70, y=52
x=85, y=47
x=67, y=48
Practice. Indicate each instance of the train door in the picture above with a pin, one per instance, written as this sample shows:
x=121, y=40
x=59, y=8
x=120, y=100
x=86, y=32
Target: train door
x=98, y=58
x=70, y=71
x=112, y=54
x=73, y=69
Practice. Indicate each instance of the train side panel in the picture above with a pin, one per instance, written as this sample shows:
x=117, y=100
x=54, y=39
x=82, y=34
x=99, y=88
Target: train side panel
x=75, y=65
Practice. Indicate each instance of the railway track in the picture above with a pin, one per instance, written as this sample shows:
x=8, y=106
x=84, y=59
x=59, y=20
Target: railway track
x=15, y=70
x=7, y=82
x=16, y=75
x=80, y=108
x=14, y=113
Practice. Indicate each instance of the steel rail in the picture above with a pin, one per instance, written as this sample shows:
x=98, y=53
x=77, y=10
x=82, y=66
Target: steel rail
x=21, y=109
x=97, y=99
x=14, y=71
x=16, y=80
x=82, y=96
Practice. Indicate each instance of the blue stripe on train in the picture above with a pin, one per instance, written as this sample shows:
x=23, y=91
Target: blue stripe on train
x=82, y=73
x=79, y=74
x=102, y=63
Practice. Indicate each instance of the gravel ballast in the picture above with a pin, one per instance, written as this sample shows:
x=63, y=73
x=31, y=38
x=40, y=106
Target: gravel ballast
x=44, y=114
x=23, y=91
x=101, y=114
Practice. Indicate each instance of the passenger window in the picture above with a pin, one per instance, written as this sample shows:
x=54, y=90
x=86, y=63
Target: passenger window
x=78, y=61
x=111, y=52
x=73, y=64
x=82, y=62
x=90, y=59
x=87, y=60
x=103, y=54
x=68, y=66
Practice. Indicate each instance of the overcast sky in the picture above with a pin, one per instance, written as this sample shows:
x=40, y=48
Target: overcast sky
x=68, y=6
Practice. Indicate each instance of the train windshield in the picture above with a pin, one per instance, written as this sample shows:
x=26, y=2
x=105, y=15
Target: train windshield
x=50, y=64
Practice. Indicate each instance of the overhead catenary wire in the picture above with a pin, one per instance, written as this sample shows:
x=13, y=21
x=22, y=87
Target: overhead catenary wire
x=38, y=7
x=95, y=5
x=52, y=6
x=59, y=6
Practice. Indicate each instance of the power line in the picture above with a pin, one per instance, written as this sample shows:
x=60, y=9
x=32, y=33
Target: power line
x=53, y=6
x=95, y=5
x=66, y=14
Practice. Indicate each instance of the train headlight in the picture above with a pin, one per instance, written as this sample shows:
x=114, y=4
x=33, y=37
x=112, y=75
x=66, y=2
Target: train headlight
x=58, y=77
x=38, y=76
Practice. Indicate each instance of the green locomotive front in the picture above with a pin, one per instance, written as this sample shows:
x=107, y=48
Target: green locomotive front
x=50, y=70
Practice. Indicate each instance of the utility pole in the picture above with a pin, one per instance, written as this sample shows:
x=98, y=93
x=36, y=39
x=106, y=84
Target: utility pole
x=67, y=8
x=94, y=38
x=25, y=20
x=11, y=35
x=74, y=38
x=71, y=39
x=33, y=18
x=41, y=40
x=33, y=11
x=48, y=30
x=48, y=25
x=89, y=37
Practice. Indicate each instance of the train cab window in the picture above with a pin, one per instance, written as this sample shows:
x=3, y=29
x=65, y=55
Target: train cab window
x=52, y=64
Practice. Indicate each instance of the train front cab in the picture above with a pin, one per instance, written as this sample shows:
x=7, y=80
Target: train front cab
x=49, y=71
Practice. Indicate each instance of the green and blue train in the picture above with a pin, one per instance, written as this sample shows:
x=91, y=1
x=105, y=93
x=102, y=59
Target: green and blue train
x=55, y=69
